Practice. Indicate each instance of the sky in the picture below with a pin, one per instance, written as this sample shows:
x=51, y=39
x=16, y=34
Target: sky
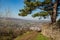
x=11, y=5
x=10, y=8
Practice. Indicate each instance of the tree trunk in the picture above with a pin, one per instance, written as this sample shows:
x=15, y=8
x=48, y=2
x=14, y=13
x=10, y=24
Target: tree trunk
x=54, y=13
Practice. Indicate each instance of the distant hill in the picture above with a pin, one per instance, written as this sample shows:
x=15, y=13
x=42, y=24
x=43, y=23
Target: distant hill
x=22, y=20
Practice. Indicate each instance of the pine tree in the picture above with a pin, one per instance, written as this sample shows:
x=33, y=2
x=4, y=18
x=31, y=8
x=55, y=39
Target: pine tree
x=49, y=7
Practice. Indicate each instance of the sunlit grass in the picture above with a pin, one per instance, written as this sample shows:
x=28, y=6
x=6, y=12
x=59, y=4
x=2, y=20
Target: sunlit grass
x=19, y=37
x=38, y=37
x=41, y=37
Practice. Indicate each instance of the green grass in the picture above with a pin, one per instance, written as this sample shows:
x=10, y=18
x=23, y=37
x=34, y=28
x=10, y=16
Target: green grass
x=19, y=37
x=41, y=37
x=38, y=37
